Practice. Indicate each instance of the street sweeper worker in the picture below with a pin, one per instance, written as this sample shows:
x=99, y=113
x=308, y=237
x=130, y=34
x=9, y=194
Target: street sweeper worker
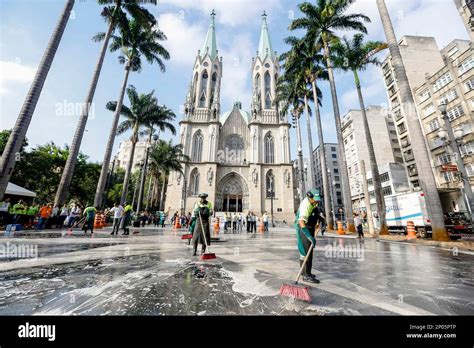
x=305, y=235
x=202, y=211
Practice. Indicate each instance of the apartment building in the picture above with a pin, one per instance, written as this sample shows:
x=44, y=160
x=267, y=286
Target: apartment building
x=123, y=153
x=386, y=146
x=452, y=84
x=333, y=168
x=420, y=55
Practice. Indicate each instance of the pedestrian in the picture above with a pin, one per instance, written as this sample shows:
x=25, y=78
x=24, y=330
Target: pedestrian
x=234, y=222
x=248, y=220
x=225, y=222
x=63, y=215
x=239, y=223
x=32, y=213
x=53, y=220
x=4, y=212
x=202, y=211
x=74, y=214
x=44, y=214
x=117, y=212
x=254, y=223
x=163, y=219
x=265, y=221
x=358, y=226
x=304, y=236
x=89, y=214
x=126, y=219
x=18, y=210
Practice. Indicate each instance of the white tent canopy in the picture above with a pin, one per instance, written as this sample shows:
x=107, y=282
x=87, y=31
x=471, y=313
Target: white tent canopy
x=16, y=190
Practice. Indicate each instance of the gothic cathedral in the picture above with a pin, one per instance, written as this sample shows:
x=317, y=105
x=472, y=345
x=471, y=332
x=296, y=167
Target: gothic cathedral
x=240, y=159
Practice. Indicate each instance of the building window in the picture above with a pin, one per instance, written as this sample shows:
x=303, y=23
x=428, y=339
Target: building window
x=384, y=177
x=333, y=148
x=334, y=163
x=338, y=186
x=268, y=100
x=401, y=128
x=270, y=184
x=466, y=65
x=455, y=112
x=387, y=190
x=448, y=97
x=467, y=149
x=334, y=155
x=269, y=148
x=336, y=178
x=202, y=98
x=448, y=176
x=433, y=125
x=470, y=169
x=194, y=182
x=452, y=51
x=197, y=147
x=444, y=159
x=429, y=110
x=442, y=81
x=469, y=85
x=336, y=171
x=424, y=96
x=436, y=142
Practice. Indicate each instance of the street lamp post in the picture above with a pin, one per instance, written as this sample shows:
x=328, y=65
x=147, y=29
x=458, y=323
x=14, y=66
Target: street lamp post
x=466, y=190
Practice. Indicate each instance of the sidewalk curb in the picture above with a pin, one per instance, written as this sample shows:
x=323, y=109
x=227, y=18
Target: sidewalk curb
x=441, y=245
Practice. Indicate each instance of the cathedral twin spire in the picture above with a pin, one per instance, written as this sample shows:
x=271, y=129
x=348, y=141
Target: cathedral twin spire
x=204, y=88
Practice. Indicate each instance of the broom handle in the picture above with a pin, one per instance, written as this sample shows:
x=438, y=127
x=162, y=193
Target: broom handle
x=203, y=233
x=78, y=222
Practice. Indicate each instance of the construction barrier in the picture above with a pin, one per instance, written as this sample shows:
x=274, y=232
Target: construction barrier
x=340, y=227
x=217, y=227
x=411, y=231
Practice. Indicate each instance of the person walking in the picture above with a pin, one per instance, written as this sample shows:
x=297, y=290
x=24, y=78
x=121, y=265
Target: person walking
x=63, y=215
x=17, y=211
x=239, y=223
x=358, y=226
x=254, y=223
x=304, y=237
x=74, y=214
x=89, y=214
x=126, y=219
x=265, y=221
x=117, y=212
x=44, y=214
x=5, y=212
x=203, y=211
x=248, y=221
x=234, y=222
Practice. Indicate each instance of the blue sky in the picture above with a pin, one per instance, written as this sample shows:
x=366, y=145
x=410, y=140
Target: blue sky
x=26, y=26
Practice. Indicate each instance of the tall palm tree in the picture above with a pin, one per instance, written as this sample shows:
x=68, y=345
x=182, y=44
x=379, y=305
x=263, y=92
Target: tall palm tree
x=304, y=56
x=15, y=140
x=162, y=121
x=134, y=44
x=320, y=21
x=420, y=152
x=292, y=91
x=144, y=110
x=116, y=17
x=166, y=158
x=356, y=55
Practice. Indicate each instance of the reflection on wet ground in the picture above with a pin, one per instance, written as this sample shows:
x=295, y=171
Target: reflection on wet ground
x=155, y=274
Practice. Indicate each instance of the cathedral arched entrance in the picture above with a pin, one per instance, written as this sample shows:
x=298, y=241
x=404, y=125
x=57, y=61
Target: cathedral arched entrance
x=232, y=194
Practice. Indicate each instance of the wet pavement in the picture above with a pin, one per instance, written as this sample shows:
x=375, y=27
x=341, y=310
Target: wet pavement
x=154, y=273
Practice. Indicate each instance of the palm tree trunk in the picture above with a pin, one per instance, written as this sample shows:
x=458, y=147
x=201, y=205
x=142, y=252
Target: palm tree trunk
x=346, y=191
x=148, y=198
x=420, y=152
x=162, y=199
x=12, y=149
x=370, y=219
x=63, y=188
x=300, y=157
x=128, y=172
x=322, y=156
x=143, y=176
x=310, y=143
x=379, y=197
x=99, y=193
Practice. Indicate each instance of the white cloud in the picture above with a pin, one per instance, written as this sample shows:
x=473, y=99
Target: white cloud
x=13, y=72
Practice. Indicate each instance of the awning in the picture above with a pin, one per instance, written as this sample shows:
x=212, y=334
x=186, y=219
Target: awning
x=16, y=190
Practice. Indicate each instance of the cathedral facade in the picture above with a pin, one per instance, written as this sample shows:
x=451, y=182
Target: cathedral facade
x=241, y=159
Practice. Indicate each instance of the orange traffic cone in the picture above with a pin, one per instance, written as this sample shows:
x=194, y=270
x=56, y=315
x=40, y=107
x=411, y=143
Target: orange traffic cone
x=340, y=227
x=177, y=225
x=216, y=227
x=411, y=231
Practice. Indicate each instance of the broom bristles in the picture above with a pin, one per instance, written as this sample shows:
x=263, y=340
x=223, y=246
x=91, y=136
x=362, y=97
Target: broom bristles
x=208, y=256
x=296, y=292
x=187, y=236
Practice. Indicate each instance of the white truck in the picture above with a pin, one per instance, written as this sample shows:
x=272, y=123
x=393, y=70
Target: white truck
x=403, y=207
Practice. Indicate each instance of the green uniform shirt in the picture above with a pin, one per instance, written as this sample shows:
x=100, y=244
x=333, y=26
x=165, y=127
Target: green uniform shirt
x=18, y=209
x=33, y=210
x=127, y=208
x=90, y=211
x=199, y=205
x=304, y=211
